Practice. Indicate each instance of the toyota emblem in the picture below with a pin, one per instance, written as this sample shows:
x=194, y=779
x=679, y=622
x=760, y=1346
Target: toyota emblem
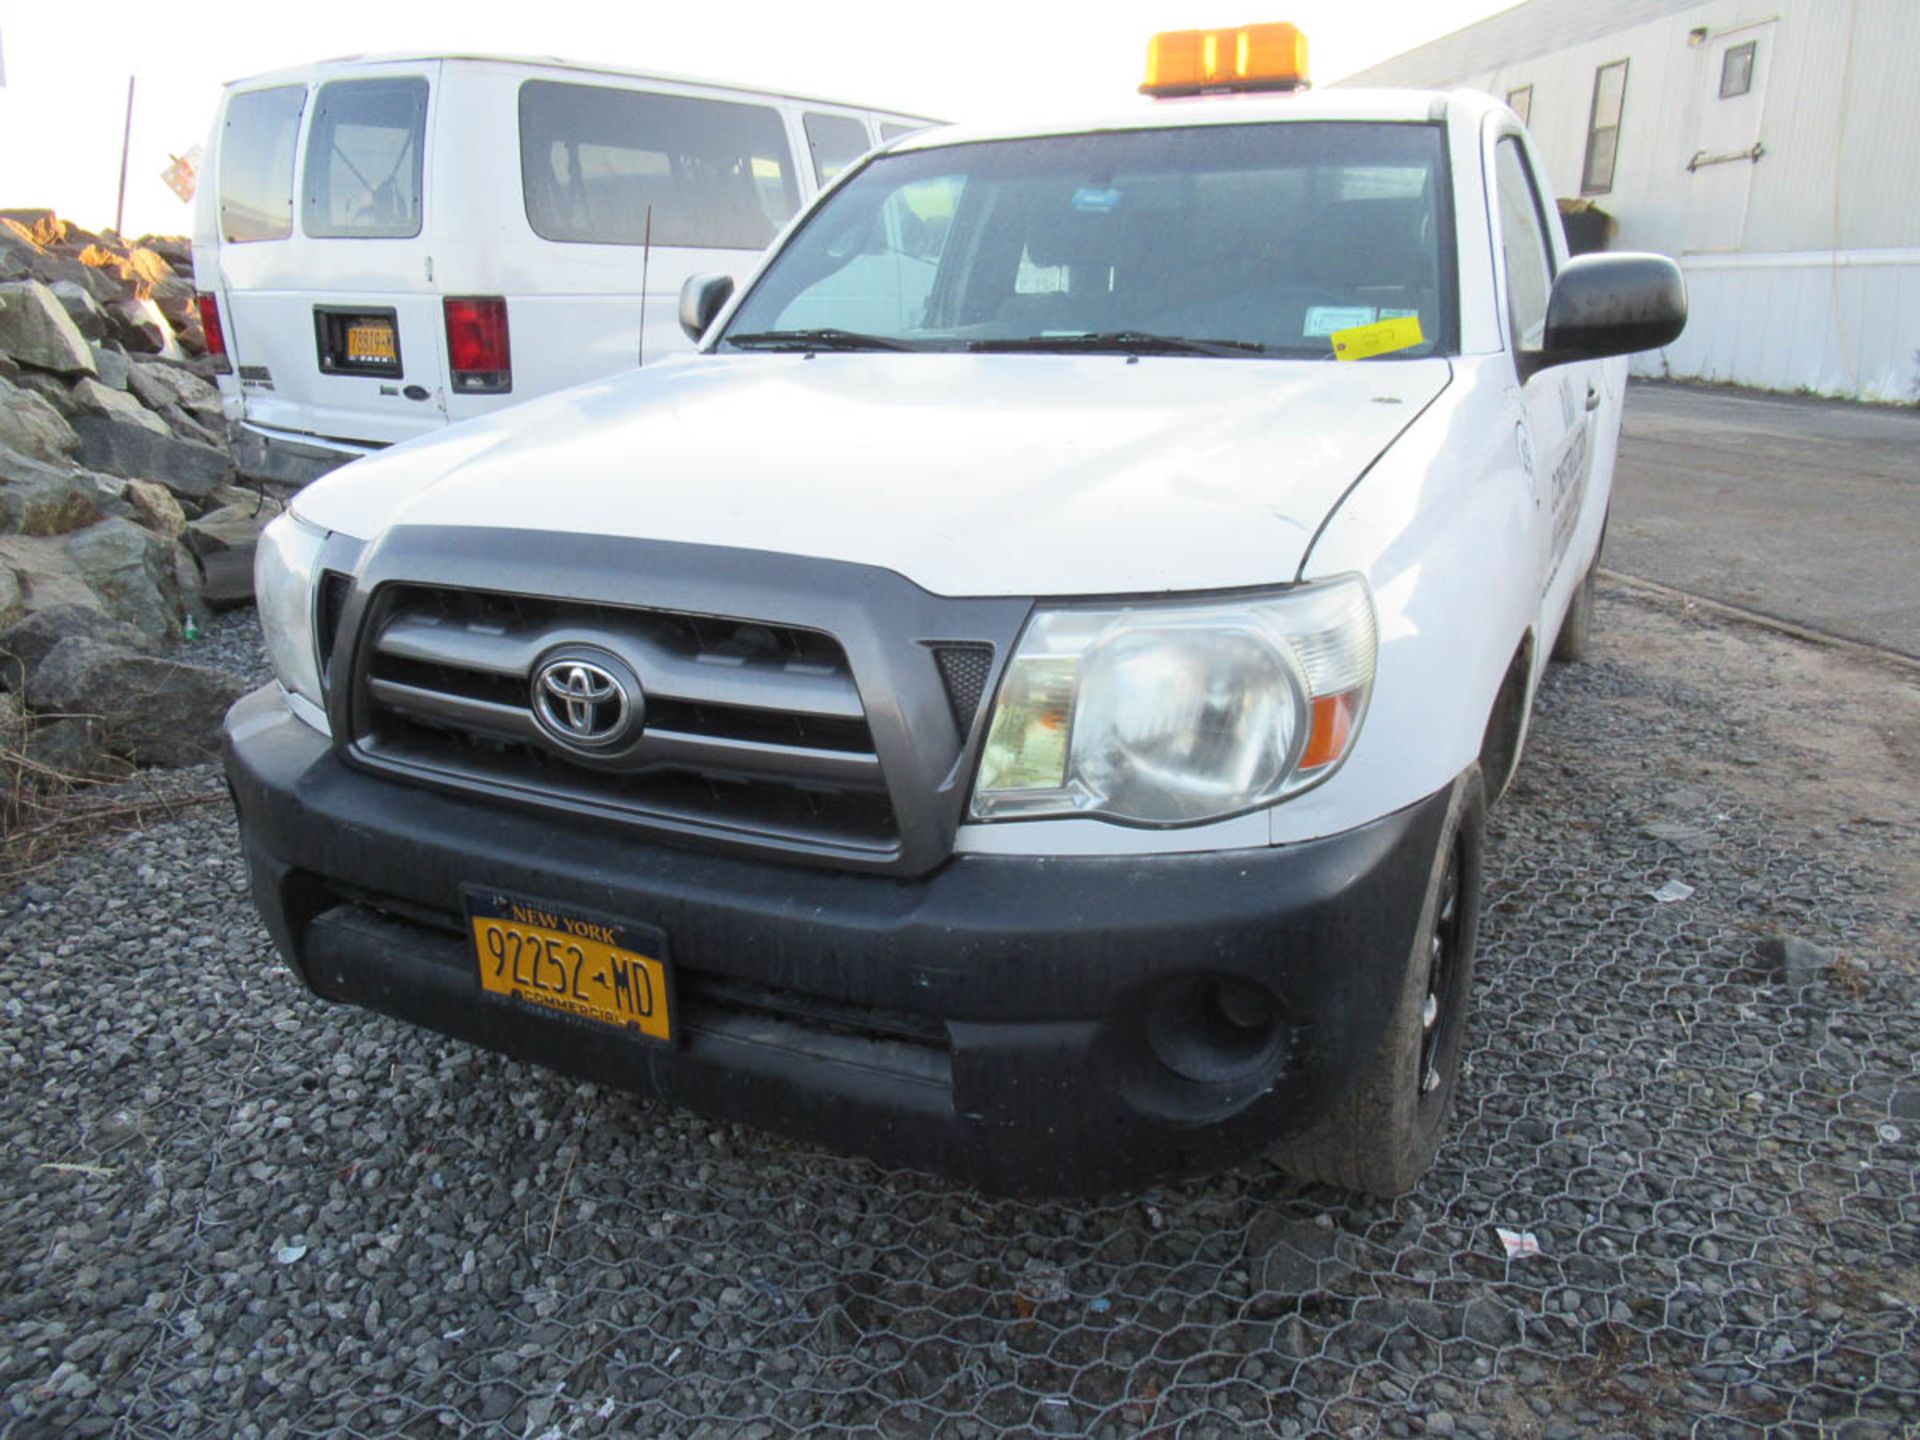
x=582, y=704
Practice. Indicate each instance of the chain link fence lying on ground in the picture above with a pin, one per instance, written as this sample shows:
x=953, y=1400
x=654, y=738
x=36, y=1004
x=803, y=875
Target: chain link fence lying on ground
x=228, y=1209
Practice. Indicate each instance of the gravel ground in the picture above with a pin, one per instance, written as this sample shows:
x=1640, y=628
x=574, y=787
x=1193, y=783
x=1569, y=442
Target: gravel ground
x=229, y=1209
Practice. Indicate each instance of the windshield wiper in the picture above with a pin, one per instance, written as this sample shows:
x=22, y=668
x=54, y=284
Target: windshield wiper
x=1125, y=342
x=825, y=337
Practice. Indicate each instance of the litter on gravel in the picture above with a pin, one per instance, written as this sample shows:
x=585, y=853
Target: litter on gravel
x=1519, y=1244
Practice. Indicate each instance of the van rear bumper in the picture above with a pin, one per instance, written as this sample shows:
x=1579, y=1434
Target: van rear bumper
x=262, y=453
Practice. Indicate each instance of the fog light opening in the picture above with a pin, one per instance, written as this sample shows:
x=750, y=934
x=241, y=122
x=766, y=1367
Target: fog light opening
x=1216, y=1030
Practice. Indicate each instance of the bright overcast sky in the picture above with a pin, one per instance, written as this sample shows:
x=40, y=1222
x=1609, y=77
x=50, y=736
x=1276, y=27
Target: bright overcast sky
x=66, y=64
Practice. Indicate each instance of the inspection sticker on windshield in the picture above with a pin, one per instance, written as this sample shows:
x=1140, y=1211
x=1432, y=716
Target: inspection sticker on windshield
x=1325, y=319
x=1379, y=338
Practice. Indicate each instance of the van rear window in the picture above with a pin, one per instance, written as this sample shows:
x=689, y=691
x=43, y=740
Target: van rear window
x=593, y=159
x=256, y=163
x=364, y=159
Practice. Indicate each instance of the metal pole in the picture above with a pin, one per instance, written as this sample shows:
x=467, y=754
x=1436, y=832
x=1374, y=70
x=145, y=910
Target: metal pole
x=126, y=141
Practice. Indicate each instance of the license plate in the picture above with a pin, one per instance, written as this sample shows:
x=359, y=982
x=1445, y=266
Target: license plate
x=371, y=341
x=558, y=958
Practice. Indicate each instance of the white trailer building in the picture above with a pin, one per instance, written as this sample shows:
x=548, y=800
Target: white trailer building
x=1771, y=146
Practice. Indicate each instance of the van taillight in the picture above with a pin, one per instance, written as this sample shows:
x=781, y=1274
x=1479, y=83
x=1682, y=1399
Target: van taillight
x=216, y=337
x=477, y=350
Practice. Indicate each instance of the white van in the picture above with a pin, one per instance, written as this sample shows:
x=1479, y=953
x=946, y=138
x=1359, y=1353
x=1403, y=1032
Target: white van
x=387, y=244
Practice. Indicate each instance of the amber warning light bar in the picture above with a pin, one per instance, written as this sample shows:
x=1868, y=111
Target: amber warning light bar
x=1217, y=62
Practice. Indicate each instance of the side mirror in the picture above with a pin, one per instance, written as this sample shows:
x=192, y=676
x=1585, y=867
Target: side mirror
x=701, y=298
x=1605, y=305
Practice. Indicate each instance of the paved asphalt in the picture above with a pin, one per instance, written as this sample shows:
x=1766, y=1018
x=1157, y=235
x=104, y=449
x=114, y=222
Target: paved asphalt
x=1805, y=510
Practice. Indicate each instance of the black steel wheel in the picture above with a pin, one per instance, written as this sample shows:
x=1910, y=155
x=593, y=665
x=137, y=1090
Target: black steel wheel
x=1384, y=1134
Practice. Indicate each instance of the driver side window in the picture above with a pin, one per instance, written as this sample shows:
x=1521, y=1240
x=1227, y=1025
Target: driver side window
x=1524, y=248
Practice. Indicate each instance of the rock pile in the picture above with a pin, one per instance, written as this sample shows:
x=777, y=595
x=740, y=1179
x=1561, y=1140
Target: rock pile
x=120, y=519
x=140, y=296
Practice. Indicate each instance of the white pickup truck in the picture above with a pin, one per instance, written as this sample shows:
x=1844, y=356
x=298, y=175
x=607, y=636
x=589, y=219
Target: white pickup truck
x=1022, y=699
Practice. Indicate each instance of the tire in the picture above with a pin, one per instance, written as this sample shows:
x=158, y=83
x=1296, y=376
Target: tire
x=1384, y=1135
x=1575, y=639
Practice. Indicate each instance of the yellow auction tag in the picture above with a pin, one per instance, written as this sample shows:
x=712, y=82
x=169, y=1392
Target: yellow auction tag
x=1363, y=341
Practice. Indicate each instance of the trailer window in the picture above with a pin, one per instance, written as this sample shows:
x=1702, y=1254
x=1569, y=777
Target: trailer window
x=1603, y=128
x=365, y=159
x=596, y=161
x=256, y=163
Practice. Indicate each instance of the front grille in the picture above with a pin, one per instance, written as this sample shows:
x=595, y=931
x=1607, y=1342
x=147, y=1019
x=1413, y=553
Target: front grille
x=750, y=729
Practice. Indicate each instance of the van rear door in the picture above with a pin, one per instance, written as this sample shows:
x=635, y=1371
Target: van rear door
x=337, y=327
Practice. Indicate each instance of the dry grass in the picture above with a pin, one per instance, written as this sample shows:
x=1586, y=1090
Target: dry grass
x=47, y=813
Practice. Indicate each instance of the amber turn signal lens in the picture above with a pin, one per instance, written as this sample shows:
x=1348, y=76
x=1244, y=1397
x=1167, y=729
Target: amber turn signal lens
x=1331, y=730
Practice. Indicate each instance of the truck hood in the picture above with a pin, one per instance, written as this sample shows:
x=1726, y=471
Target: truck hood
x=971, y=475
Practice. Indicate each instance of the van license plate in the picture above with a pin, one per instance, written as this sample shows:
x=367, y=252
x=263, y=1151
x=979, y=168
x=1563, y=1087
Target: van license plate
x=371, y=342
x=557, y=958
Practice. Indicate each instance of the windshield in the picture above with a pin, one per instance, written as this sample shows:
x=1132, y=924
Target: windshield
x=1241, y=241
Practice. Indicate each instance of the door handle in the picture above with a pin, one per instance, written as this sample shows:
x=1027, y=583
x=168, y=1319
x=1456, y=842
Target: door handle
x=1593, y=397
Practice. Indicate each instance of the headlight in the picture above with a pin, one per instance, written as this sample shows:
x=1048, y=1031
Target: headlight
x=283, y=570
x=1176, y=714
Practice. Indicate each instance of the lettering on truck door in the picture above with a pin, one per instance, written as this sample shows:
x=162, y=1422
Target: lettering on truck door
x=1559, y=405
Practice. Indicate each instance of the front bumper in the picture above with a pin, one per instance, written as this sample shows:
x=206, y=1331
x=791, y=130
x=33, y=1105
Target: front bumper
x=1029, y=1025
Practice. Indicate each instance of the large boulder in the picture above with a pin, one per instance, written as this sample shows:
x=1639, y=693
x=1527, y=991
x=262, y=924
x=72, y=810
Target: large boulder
x=40, y=575
x=90, y=397
x=109, y=260
x=70, y=746
x=190, y=470
x=25, y=643
x=52, y=389
x=63, y=235
x=159, y=384
x=131, y=571
x=154, y=507
x=36, y=330
x=141, y=329
x=152, y=711
x=176, y=250
x=85, y=312
x=152, y=268
x=21, y=258
x=225, y=541
x=113, y=367
x=33, y=427
x=189, y=405
x=27, y=218
x=41, y=499
x=191, y=335
x=175, y=299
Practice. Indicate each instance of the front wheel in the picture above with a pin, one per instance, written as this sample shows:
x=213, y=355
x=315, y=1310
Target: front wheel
x=1575, y=639
x=1384, y=1135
